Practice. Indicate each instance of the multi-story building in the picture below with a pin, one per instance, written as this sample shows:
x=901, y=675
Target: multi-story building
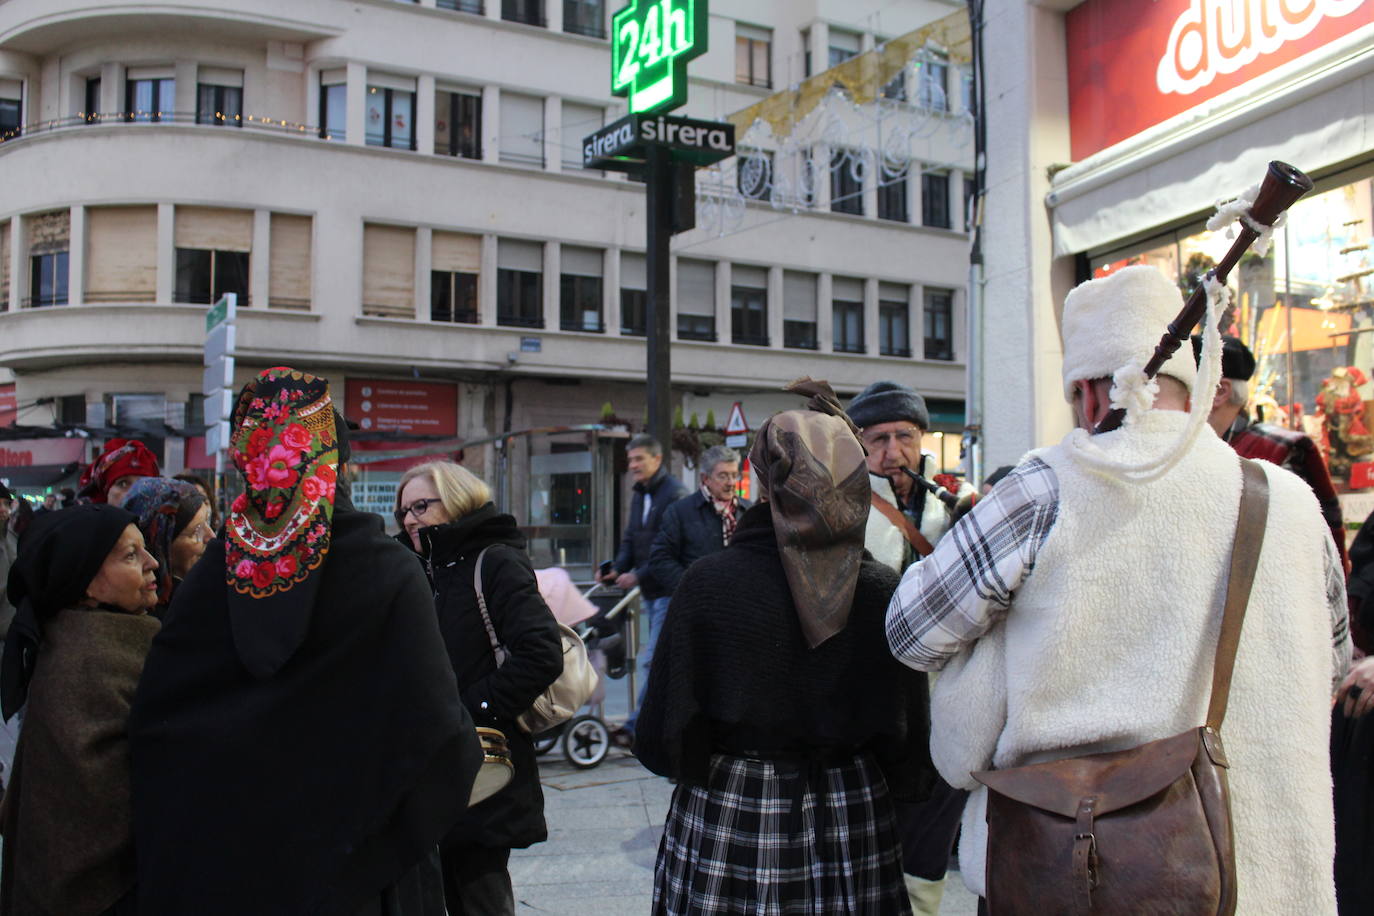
x=395, y=193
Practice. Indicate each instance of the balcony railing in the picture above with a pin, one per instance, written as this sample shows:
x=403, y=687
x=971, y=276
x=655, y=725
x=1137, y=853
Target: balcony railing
x=88, y=120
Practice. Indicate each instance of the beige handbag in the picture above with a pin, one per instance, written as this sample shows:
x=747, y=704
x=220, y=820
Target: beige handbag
x=567, y=694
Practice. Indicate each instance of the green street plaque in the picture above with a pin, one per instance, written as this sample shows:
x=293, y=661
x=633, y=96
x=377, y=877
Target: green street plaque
x=651, y=43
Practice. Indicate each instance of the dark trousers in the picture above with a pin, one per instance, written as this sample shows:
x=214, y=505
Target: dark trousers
x=477, y=881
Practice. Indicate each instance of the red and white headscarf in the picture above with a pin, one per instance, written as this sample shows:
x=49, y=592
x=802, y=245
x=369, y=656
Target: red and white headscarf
x=121, y=458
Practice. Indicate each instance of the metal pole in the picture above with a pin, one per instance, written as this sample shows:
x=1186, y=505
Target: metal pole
x=658, y=332
x=1288, y=317
x=973, y=409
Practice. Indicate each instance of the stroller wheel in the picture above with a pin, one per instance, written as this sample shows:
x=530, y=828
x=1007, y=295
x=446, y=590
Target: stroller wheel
x=546, y=741
x=586, y=741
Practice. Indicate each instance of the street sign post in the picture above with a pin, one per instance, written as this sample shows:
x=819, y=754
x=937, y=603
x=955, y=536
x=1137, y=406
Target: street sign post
x=736, y=429
x=217, y=384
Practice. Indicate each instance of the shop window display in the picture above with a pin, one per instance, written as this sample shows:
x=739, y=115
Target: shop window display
x=1306, y=310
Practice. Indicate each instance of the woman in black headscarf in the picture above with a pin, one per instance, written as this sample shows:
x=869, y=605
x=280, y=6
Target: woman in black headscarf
x=298, y=742
x=83, y=585
x=778, y=707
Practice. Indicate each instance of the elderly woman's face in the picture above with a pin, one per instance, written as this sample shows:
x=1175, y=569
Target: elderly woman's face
x=120, y=489
x=422, y=507
x=126, y=579
x=189, y=544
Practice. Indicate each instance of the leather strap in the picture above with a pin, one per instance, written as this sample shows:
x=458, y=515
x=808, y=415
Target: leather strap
x=898, y=518
x=1245, y=551
x=1084, y=857
x=496, y=649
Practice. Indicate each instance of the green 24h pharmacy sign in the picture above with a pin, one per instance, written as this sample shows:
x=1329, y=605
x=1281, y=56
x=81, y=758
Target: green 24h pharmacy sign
x=651, y=42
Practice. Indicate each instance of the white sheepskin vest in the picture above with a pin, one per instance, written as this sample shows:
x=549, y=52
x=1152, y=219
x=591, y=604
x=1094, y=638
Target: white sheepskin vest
x=885, y=540
x=1110, y=642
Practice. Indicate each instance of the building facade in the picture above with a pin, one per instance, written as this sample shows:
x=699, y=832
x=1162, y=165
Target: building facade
x=395, y=193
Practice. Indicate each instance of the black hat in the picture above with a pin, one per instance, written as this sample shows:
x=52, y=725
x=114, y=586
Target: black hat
x=887, y=402
x=1237, y=362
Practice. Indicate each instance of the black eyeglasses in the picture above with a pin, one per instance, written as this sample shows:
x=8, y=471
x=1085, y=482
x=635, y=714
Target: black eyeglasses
x=419, y=507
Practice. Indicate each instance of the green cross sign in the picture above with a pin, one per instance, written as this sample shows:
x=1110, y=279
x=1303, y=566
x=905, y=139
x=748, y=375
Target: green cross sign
x=651, y=42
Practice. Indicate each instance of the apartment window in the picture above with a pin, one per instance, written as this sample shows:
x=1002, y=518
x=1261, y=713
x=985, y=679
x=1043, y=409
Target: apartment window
x=520, y=284
x=121, y=254
x=580, y=289
x=634, y=296
x=11, y=109
x=578, y=121
x=749, y=306
x=969, y=203
x=455, y=263
x=798, y=310
x=530, y=12
x=48, y=279
x=696, y=299
x=5, y=266
x=846, y=188
x=894, y=336
x=334, y=104
x=935, y=200
x=91, y=111
x=388, y=271
x=391, y=113
x=289, y=274
x=895, y=90
x=219, y=98
x=149, y=96
x=585, y=17
x=806, y=53
x=843, y=46
x=49, y=241
x=753, y=56
x=212, y=246
x=965, y=89
x=939, y=324
x=847, y=310
x=458, y=124
x=522, y=129
x=462, y=6
x=892, y=196
x=933, y=77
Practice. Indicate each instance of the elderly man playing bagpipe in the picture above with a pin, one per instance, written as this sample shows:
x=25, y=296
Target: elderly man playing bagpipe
x=1075, y=616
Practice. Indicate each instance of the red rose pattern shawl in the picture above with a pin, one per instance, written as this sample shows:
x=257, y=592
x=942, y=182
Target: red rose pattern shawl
x=278, y=532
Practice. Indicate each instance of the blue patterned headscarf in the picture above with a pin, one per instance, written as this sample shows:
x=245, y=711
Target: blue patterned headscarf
x=164, y=508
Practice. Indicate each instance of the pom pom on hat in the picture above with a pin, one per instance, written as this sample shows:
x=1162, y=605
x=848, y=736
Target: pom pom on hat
x=1116, y=321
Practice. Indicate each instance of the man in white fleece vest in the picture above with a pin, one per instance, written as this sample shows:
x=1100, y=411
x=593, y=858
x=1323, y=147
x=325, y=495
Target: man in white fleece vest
x=1075, y=610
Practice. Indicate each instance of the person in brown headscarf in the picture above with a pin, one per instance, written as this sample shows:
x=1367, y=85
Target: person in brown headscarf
x=775, y=702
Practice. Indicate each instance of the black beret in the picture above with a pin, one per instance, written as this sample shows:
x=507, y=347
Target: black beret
x=1237, y=362
x=888, y=402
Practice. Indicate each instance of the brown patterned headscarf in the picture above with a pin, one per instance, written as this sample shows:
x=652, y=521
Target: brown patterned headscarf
x=811, y=469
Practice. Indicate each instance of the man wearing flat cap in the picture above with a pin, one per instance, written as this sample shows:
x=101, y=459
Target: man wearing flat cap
x=1076, y=609
x=905, y=520
x=1288, y=448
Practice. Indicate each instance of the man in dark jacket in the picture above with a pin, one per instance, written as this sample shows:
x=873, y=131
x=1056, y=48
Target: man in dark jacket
x=703, y=522
x=655, y=491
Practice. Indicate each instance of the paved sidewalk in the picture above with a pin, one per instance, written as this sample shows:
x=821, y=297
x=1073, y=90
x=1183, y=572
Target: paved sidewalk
x=604, y=827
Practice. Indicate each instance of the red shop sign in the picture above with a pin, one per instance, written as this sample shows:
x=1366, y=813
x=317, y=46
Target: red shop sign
x=1133, y=64
x=384, y=405
x=27, y=453
x=9, y=405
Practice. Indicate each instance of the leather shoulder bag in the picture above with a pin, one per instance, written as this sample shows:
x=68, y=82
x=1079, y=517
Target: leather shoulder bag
x=1144, y=830
x=561, y=700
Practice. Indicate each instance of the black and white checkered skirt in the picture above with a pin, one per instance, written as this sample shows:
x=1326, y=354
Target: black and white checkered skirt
x=777, y=838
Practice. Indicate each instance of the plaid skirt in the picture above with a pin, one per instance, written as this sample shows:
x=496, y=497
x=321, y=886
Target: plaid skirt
x=776, y=838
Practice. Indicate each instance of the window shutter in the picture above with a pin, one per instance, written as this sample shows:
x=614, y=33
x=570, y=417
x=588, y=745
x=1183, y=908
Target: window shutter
x=388, y=81
x=582, y=262
x=4, y=266
x=289, y=283
x=121, y=260
x=512, y=254
x=751, y=277
x=522, y=128
x=456, y=252
x=894, y=292
x=799, y=296
x=578, y=121
x=214, y=229
x=219, y=76
x=848, y=289
x=696, y=287
x=50, y=232
x=633, y=271
x=165, y=72
x=338, y=77
x=389, y=271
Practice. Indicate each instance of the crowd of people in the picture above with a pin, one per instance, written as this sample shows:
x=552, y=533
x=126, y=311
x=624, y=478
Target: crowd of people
x=277, y=711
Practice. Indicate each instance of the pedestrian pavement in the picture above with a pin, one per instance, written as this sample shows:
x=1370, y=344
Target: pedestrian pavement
x=604, y=828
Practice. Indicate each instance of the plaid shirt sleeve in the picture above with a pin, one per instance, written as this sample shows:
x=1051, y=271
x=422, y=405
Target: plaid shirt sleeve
x=956, y=594
x=1340, y=615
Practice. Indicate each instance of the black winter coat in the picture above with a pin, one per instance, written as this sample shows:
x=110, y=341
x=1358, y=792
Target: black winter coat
x=690, y=530
x=633, y=556
x=514, y=817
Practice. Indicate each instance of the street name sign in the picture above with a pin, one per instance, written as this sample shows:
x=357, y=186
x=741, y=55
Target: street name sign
x=651, y=43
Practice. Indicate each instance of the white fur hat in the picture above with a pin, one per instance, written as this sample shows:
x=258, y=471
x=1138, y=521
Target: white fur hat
x=1117, y=321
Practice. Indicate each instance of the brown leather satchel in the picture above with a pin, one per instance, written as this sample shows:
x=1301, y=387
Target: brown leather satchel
x=1144, y=830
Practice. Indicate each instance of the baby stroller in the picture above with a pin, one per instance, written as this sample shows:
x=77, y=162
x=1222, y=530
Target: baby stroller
x=599, y=617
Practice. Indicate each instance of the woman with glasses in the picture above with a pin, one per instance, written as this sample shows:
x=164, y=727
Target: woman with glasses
x=447, y=518
x=175, y=520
